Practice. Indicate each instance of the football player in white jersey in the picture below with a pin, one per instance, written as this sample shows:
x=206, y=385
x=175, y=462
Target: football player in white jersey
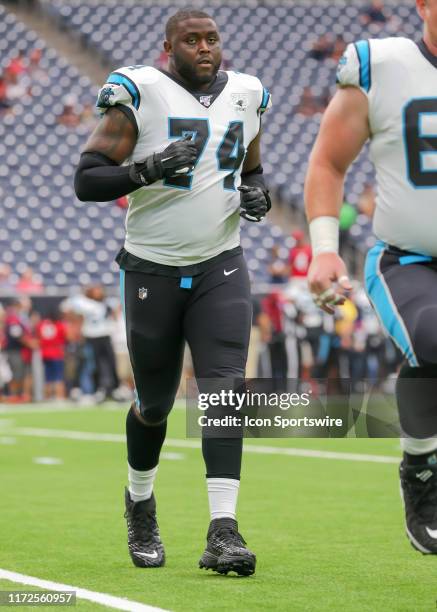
x=185, y=145
x=388, y=95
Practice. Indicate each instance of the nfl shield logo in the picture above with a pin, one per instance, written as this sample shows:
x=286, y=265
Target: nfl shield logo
x=142, y=293
x=205, y=100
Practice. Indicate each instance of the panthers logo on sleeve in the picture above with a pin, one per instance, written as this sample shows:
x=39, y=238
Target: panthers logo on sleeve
x=341, y=64
x=119, y=89
x=105, y=95
x=354, y=68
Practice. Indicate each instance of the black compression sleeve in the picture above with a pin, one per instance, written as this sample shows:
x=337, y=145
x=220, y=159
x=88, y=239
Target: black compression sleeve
x=100, y=179
x=254, y=178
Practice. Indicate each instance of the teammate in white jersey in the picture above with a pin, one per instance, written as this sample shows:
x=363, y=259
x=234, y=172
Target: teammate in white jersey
x=185, y=145
x=388, y=95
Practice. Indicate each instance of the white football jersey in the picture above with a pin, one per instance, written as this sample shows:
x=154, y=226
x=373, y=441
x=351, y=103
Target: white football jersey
x=399, y=78
x=187, y=219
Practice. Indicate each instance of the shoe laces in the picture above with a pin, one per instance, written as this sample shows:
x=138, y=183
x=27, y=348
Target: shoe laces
x=143, y=525
x=230, y=535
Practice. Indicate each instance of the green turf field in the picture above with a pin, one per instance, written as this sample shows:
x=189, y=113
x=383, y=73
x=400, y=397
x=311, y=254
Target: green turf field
x=328, y=533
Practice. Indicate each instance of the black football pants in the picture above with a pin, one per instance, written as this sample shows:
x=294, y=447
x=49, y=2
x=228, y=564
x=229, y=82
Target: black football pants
x=212, y=312
x=403, y=290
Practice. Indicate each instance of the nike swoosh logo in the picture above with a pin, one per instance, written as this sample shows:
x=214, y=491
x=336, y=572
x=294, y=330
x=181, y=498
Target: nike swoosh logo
x=432, y=533
x=226, y=273
x=153, y=555
x=184, y=170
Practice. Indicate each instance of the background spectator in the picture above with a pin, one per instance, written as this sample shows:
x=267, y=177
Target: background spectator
x=6, y=284
x=278, y=269
x=15, y=88
x=322, y=48
x=122, y=359
x=99, y=372
x=338, y=49
x=17, y=65
x=19, y=343
x=272, y=333
x=5, y=102
x=310, y=104
x=88, y=116
x=300, y=256
x=52, y=337
x=35, y=72
x=69, y=117
x=122, y=202
x=374, y=13
x=29, y=283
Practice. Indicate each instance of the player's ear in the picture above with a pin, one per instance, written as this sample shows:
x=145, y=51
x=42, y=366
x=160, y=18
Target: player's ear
x=167, y=47
x=420, y=7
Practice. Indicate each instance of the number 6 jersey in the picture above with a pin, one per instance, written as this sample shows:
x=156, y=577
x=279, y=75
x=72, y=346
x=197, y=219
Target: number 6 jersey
x=399, y=78
x=187, y=219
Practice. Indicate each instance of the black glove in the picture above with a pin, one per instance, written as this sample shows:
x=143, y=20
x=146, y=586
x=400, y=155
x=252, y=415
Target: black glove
x=254, y=202
x=176, y=159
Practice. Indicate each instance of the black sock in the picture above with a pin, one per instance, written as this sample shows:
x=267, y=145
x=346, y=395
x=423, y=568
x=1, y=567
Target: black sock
x=416, y=395
x=426, y=459
x=222, y=457
x=144, y=442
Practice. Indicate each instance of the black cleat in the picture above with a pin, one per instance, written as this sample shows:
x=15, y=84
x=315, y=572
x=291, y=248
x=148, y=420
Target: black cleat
x=226, y=551
x=419, y=493
x=144, y=542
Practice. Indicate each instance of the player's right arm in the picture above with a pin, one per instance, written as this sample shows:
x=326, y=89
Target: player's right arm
x=114, y=136
x=100, y=177
x=343, y=133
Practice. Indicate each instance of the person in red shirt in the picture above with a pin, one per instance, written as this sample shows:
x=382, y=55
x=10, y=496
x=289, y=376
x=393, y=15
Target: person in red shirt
x=16, y=65
x=51, y=333
x=273, y=334
x=28, y=284
x=300, y=256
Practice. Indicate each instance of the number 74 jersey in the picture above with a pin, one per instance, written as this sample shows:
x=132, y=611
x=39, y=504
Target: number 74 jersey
x=399, y=78
x=187, y=219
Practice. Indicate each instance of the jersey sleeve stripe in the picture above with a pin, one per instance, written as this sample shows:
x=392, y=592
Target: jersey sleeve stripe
x=265, y=100
x=120, y=79
x=406, y=260
x=363, y=51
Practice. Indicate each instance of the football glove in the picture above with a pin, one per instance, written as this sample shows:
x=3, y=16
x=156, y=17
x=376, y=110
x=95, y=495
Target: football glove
x=175, y=160
x=254, y=203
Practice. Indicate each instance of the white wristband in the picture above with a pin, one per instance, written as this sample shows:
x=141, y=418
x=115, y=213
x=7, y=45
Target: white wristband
x=324, y=235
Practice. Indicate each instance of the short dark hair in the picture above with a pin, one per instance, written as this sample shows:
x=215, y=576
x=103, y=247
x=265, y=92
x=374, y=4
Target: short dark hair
x=182, y=15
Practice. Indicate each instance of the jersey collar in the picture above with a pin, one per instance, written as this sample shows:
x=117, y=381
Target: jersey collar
x=208, y=97
x=427, y=53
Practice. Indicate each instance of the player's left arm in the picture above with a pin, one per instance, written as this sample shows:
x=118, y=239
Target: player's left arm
x=253, y=155
x=254, y=195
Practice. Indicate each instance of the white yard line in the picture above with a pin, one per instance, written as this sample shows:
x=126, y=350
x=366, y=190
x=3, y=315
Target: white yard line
x=248, y=448
x=72, y=407
x=119, y=603
x=47, y=408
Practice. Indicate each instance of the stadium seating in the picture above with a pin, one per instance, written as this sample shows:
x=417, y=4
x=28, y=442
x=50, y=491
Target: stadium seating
x=43, y=224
